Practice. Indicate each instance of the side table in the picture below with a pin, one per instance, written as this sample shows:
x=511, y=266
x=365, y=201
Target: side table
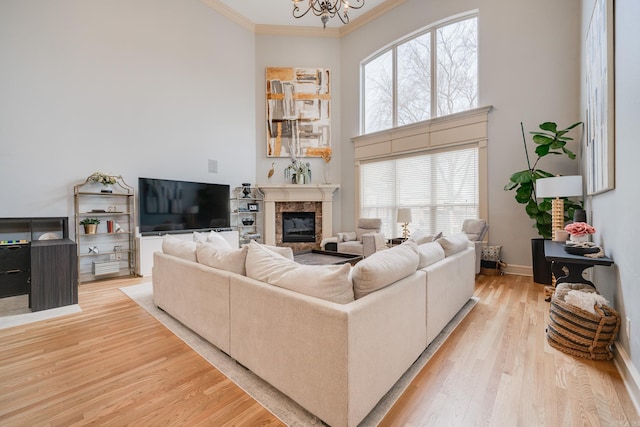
x=396, y=241
x=573, y=264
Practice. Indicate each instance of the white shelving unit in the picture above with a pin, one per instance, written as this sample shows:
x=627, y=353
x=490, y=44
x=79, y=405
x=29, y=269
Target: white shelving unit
x=107, y=253
x=247, y=214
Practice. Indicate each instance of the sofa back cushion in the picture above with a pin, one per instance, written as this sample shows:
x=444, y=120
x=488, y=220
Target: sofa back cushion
x=384, y=268
x=179, y=248
x=453, y=244
x=285, y=251
x=213, y=238
x=328, y=282
x=232, y=260
x=430, y=253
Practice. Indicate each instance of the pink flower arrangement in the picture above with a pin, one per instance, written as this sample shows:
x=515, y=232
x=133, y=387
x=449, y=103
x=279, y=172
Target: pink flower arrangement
x=579, y=229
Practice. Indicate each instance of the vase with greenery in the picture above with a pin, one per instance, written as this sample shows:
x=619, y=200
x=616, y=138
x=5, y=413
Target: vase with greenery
x=104, y=179
x=90, y=225
x=549, y=141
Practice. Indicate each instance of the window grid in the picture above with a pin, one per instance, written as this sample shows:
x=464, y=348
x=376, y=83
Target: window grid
x=461, y=83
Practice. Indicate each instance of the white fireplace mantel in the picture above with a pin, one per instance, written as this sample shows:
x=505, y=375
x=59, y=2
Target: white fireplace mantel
x=296, y=193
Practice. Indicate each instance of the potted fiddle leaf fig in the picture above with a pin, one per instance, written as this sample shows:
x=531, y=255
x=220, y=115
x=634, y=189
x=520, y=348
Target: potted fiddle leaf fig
x=549, y=140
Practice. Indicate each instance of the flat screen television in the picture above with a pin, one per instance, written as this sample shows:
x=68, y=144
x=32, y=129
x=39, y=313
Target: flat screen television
x=169, y=206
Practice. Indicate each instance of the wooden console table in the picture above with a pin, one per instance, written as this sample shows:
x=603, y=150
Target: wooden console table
x=574, y=264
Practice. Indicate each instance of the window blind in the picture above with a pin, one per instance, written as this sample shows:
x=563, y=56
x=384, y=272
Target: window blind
x=441, y=189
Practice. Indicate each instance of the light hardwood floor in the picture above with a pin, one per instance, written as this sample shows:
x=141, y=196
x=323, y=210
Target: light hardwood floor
x=115, y=364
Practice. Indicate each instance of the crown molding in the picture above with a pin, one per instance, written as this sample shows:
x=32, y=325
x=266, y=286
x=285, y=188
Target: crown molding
x=289, y=30
x=371, y=15
x=304, y=31
x=225, y=10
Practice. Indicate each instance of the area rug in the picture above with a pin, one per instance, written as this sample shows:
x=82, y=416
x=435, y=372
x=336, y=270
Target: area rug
x=14, y=311
x=277, y=403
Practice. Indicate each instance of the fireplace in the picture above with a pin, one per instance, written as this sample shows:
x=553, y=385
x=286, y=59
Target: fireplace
x=298, y=227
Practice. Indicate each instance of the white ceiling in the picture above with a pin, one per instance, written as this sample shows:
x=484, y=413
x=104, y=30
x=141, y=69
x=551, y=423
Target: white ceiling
x=279, y=12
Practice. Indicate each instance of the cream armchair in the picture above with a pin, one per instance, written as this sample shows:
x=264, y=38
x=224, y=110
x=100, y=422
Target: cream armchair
x=366, y=240
x=476, y=229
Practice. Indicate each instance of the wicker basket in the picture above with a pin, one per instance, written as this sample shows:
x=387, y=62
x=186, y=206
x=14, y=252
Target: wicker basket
x=581, y=333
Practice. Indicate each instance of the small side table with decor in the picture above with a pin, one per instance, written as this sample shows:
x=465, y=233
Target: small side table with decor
x=574, y=264
x=585, y=326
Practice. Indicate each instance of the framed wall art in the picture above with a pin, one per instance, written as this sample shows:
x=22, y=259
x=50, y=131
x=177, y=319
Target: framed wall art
x=600, y=137
x=298, y=111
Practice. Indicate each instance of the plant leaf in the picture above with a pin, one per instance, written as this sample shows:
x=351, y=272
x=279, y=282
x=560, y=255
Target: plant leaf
x=542, y=139
x=542, y=150
x=522, y=177
x=550, y=126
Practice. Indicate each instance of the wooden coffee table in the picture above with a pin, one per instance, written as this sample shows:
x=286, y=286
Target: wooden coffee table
x=318, y=257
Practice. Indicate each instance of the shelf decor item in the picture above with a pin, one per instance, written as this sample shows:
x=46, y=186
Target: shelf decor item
x=106, y=180
x=246, y=190
x=90, y=225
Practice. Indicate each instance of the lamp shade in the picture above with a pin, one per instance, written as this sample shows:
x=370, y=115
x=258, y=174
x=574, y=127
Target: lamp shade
x=404, y=215
x=559, y=186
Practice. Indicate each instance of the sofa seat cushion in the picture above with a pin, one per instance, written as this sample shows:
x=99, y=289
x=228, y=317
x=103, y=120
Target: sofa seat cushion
x=454, y=244
x=430, y=253
x=384, y=268
x=179, y=248
x=232, y=260
x=328, y=282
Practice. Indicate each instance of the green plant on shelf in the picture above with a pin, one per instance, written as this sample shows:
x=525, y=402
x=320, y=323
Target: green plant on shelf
x=87, y=221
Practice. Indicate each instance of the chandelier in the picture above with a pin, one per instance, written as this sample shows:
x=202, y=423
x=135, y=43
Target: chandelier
x=327, y=9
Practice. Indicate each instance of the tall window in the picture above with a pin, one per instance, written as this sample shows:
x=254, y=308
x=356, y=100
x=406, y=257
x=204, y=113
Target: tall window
x=440, y=188
x=433, y=73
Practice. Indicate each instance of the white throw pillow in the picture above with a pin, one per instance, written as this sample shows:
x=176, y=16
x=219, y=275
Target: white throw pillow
x=430, y=253
x=328, y=282
x=454, y=244
x=212, y=237
x=347, y=236
x=232, y=260
x=179, y=248
x=421, y=236
x=384, y=268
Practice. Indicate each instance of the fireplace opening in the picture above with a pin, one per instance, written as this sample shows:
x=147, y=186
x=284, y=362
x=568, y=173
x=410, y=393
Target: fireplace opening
x=298, y=227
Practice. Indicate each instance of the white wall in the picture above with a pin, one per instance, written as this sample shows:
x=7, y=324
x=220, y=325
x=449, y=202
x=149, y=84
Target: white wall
x=299, y=51
x=147, y=88
x=529, y=72
x=614, y=213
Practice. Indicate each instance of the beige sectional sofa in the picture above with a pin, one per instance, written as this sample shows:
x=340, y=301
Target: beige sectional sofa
x=336, y=359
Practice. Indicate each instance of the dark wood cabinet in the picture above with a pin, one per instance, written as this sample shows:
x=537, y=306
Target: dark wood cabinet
x=37, y=258
x=14, y=269
x=54, y=277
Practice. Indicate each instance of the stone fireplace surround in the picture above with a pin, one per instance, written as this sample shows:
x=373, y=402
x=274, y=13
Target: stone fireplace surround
x=296, y=197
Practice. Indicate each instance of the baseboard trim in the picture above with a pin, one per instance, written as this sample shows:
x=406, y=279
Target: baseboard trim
x=629, y=374
x=518, y=270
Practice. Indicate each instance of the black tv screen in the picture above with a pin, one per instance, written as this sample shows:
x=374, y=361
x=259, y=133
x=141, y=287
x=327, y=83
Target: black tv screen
x=172, y=206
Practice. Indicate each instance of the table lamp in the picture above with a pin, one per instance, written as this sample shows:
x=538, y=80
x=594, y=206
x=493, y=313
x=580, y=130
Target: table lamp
x=556, y=187
x=404, y=218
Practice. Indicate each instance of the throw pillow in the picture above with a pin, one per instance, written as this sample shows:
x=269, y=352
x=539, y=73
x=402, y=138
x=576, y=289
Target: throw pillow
x=421, y=236
x=232, y=260
x=212, y=237
x=384, y=268
x=430, y=253
x=491, y=253
x=348, y=236
x=328, y=282
x=454, y=244
x=179, y=248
